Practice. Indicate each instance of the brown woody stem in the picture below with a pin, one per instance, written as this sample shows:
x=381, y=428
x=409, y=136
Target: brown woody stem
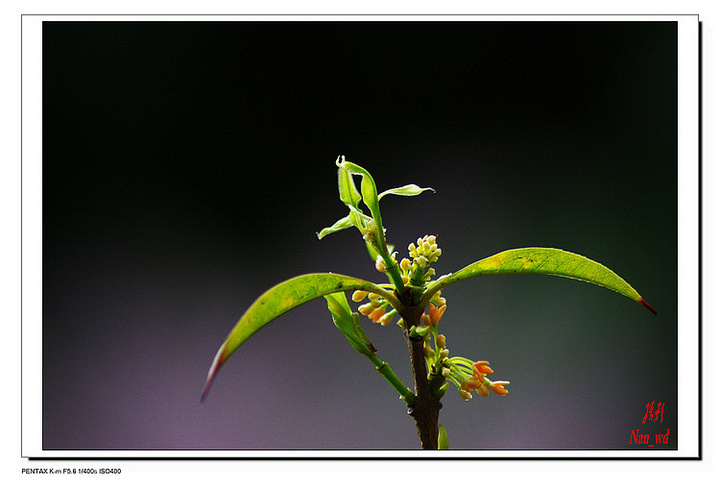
x=426, y=410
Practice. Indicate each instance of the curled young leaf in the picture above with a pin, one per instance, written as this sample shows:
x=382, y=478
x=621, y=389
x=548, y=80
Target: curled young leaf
x=547, y=261
x=406, y=190
x=346, y=186
x=359, y=219
x=368, y=189
x=340, y=224
x=349, y=323
x=280, y=299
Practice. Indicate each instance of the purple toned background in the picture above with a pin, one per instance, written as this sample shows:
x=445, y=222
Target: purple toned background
x=187, y=167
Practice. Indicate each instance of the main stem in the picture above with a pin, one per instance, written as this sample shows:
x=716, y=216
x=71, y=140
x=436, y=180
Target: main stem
x=426, y=410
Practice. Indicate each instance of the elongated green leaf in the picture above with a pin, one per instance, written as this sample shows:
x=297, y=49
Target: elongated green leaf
x=547, y=261
x=406, y=190
x=280, y=299
x=443, y=442
x=368, y=189
x=349, y=323
x=346, y=186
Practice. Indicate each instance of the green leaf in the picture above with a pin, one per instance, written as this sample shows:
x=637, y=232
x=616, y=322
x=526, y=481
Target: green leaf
x=406, y=190
x=359, y=219
x=346, y=186
x=443, y=442
x=370, y=197
x=547, y=261
x=280, y=299
x=340, y=224
x=349, y=323
x=367, y=188
x=371, y=250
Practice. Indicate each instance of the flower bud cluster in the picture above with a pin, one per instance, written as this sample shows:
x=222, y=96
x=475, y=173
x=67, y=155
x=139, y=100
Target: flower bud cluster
x=469, y=376
x=465, y=374
x=438, y=300
x=369, y=232
x=434, y=355
x=423, y=252
x=426, y=250
x=377, y=309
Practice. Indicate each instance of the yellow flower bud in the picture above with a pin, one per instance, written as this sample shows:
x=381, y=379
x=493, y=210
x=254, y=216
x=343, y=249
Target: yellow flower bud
x=366, y=309
x=386, y=319
x=380, y=264
x=359, y=295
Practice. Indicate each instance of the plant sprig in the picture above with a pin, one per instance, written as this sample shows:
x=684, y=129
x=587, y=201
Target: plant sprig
x=413, y=296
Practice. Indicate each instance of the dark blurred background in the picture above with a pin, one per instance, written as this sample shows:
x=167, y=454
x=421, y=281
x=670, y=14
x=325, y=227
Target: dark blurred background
x=188, y=165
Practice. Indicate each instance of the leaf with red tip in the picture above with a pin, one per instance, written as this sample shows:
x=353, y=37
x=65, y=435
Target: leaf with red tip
x=280, y=299
x=546, y=261
x=650, y=308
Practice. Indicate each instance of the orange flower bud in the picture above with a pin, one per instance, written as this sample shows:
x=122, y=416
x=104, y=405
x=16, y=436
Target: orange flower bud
x=436, y=313
x=376, y=314
x=497, y=387
x=482, y=368
x=470, y=383
x=440, y=341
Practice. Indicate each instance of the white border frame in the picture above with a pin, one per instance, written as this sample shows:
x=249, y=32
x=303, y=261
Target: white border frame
x=688, y=245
